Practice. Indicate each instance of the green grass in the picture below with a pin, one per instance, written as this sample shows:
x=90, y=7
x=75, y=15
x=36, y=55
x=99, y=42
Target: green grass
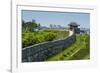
x=31, y=38
x=80, y=54
x=77, y=51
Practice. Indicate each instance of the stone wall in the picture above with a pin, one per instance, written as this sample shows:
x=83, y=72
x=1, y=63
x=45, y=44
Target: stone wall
x=40, y=52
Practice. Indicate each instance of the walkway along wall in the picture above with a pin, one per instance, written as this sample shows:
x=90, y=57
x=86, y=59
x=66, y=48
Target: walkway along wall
x=40, y=52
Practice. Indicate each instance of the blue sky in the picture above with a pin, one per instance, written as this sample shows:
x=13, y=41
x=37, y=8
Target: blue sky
x=58, y=18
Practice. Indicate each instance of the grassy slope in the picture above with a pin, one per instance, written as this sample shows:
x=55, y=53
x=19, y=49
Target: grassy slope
x=31, y=38
x=79, y=50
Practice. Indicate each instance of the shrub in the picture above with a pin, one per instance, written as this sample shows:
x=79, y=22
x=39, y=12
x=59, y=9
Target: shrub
x=64, y=55
x=49, y=36
x=61, y=58
x=31, y=38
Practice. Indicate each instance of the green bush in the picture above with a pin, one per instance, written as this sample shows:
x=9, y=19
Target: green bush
x=49, y=36
x=31, y=38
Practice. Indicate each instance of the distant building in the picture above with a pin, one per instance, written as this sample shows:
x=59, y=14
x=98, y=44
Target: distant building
x=84, y=31
x=33, y=21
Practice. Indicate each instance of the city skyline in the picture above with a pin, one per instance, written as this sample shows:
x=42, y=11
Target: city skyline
x=46, y=18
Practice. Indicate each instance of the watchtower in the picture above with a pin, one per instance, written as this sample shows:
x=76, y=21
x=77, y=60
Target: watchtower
x=73, y=26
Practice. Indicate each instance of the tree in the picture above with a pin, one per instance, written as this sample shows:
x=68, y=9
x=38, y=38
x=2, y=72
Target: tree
x=29, y=26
